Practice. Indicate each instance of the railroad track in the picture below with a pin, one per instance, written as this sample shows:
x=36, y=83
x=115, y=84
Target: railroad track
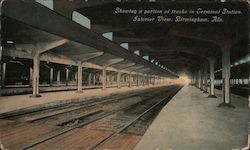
x=86, y=119
x=150, y=113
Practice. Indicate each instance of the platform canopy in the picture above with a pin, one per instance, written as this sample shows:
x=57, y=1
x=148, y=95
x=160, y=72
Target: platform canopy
x=177, y=47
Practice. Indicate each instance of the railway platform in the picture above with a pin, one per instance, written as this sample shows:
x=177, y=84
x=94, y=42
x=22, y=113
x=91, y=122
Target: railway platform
x=191, y=121
x=25, y=102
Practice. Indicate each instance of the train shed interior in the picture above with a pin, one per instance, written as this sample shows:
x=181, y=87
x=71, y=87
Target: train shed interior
x=124, y=74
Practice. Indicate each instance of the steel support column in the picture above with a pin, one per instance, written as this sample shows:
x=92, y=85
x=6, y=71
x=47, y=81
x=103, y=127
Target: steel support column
x=199, y=79
x=79, y=78
x=58, y=77
x=119, y=79
x=31, y=77
x=137, y=79
x=143, y=80
x=211, y=74
x=129, y=80
x=67, y=76
x=226, y=78
x=1, y=55
x=205, y=79
x=36, y=72
x=89, y=79
x=3, y=74
x=104, y=78
x=51, y=76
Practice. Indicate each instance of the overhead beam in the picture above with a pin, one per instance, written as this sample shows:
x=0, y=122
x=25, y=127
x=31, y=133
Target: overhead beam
x=88, y=56
x=105, y=28
x=131, y=40
x=114, y=61
x=41, y=47
x=46, y=46
x=190, y=50
x=122, y=65
x=44, y=57
x=51, y=58
x=74, y=5
x=130, y=66
x=136, y=69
